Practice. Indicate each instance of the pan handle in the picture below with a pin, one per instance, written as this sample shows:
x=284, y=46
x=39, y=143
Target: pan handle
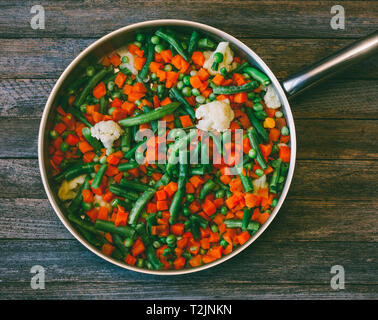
x=330, y=65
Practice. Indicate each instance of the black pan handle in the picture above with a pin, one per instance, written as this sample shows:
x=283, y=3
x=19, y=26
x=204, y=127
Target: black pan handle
x=330, y=65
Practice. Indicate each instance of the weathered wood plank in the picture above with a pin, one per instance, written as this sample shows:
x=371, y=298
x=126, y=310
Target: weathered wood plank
x=248, y=18
x=321, y=180
x=278, y=262
x=178, y=291
x=339, y=99
x=304, y=220
x=47, y=58
x=317, y=138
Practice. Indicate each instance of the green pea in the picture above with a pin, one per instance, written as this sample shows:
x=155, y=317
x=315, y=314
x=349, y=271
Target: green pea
x=83, y=108
x=196, y=92
x=256, y=99
x=64, y=146
x=214, y=228
x=125, y=59
x=128, y=242
x=180, y=85
x=139, y=263
x=218, y=57
x=187, y=224
x=207, y=100
x=281, y=179
x=186, y=80
x=156, y=244
x=274, y=202
x=116, y=94
x=251, y=95
x=140, y=37
x=167, y=67
x=129, y=81
x=90, y=70
x=200, y=99
x=212, y=96
x=158, y=48
x=252, y=153
x=167, y=252
x=160, y=90
x=258, y=107
x=259, y=172
x=224, y=210
x=138, y=44
x=86, y=206
x=248, y=166
x=138, y=102
x=155, y=40
x=219, y=194
x=189, y=198
x=193, y=73
x=110, y=111
x=186, y=212
x=187, y=91
x=223, y=243
x=285, y=131
x=153, y=76
x=278, y=114
x=54, y=134
x=171, y=239
x=223, y=71
x=246, y=75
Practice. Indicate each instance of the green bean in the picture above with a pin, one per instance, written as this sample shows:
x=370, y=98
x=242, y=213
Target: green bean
x=180, y=143
x=76, y=84
x=141, y=230
x=256, y=123
x=117, y=202
x=252, y=225
x=140, y=187
x=98, y=178
x=96, y=144
x=103, y=105
x=76, y=202
x=108, y=226
x=249, y=86
x=148, y=117
x=146, y=67
x=128, y=166
x=78, y=170
x=129, y=154
x=206, y=43
x=206, y=188
x=257, y=75
x=82, y=223
x=172, y=41
x=152, y=258
x=174, y=209
x=246, y=182
x=247, y=214
x=154, y=124
x=142, y=201
x=77, y=114
x=252, y=136
x=94, y=239
x=195, y=228
x=193, y=42
x=117, y=240
x=200, y=170
x=91, y=84
x=275, y=176
x=119, y=191
x=187, y=107
x=240, y=68
x=126, y=140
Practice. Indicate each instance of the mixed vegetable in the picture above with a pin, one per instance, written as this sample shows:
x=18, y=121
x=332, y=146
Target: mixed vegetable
x=158, y=209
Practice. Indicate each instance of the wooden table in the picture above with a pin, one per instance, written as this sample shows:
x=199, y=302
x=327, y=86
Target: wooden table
x=329, y=217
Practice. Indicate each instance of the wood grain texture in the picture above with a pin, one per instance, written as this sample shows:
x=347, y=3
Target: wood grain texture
x=310, y=19
x=48, y=57
x=321, y=180
x=305, y=220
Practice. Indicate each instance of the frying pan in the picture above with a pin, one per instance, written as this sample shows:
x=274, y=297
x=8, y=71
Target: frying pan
x=288, y=88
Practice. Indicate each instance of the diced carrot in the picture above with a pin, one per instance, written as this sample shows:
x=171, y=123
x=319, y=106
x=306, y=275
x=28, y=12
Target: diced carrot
x=240, y=97
x=120, y=79
x=195, y=81
x=166, y=55
x=71, y=139
x=139, y=63
x=60, y=127
x=130, y=260
x=252, y=200
x=243, y=237
x=274, y=134
x=111, y=171
x=205, y=243
x=151, y=207
x=179, y=263
x=97, y=116
x=222, y=97
x=115, y=60
x=102, y=213
x=165, y=101
x=266, y=149
x=172, y=78
x=157, y=176
x=263, y=217
x=92, y=214
x=108, y=196
x=88, y=156
x=162, y=205
x=196, y=261
x=196, y=181
x=218, y=79
x=100, y=90
x=203, y=74
x=189, y=188
x=186, y=121
x=171, y=188
x=284, y=153
x=207, y=258
x=177, y=229
x=84, y=147
x=107, y=249
x=198, y=58
x=209, y=208
x=182, y=243
x=160, y=195
x=87, y=196
x=216, y=252
x=194, y=207
x=111, y=159
x=161, y=74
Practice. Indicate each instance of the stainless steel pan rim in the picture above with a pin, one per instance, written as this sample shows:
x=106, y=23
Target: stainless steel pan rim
x=156, y=23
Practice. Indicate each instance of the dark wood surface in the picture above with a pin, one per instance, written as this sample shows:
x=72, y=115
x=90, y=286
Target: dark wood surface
x=329, y=217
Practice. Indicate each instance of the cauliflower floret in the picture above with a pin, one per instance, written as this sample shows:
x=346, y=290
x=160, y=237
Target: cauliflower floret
x=130, y=64
x=215, y=115
x=68, y=189
x=259, y=183
x=228, y=57
x=271, y=98
x=100, y=202
x=107, y=132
